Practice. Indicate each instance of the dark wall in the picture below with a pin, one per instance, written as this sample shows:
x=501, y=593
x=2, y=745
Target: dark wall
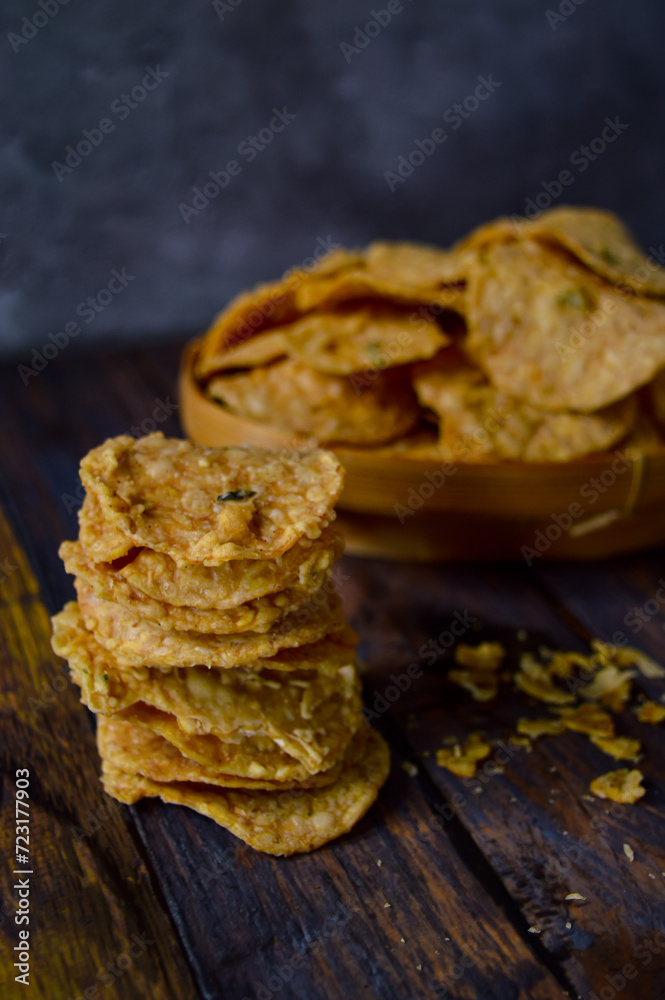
x=322, y=177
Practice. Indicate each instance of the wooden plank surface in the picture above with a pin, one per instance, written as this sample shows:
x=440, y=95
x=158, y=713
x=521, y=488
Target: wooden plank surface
x=475, y=873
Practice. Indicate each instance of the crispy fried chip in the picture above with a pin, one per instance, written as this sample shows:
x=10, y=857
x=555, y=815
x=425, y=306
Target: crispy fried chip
x=306, y=564
x=364, y=409
x=602, y=242
x=619, y=747
x=481, y=423
x=206, y=505
x=373, y=337
x=485, y=656
x=276, y=822
x=651, y=712
x=462, y=759
x=135, y=746
x=261, y=349
x=619, y=786
x=257, y=615
x=608, y=681
x=308, y=714
x=549, y=331
x=628, y=656
x=265, y=306
x=137, y=642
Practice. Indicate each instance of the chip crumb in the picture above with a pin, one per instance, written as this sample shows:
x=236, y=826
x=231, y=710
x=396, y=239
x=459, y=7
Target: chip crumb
x=410, y=768
x=486, y=656
x=461, y=759
x=651, y=875
x=619, y=747
x=619, y=786
x=386, y=905
x=651, y=712
x=419, y=968
x=481, y=685
x=379, y=863
x=534, y=930
x=575, y=895
x=568, y=925
x=521, y=635
x=402, y=941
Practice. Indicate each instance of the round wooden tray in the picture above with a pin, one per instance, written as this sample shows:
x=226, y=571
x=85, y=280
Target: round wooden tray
x=399, y=508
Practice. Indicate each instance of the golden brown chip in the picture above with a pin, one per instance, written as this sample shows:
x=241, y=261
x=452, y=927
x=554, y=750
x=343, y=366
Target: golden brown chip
x=651, y=712
x=136, y=641
x=280, y=823
x=619, y=747
x=602, y=242
x=549, y=331
x=485, y=656
x=265, y=306
x=609, y=681
x=206, y=505
x=306, y=564
x=628, y=656
x=261, y=349
x=481, y=423
x=415, y=264
x=370, y=408
x=462, y=759
x=257, y=615
x=619, y=786
x=135, y=746
x=308, y=714
x=374, y=337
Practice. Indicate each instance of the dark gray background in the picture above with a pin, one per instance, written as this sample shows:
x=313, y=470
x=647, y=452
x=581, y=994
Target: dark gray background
x=323, y=176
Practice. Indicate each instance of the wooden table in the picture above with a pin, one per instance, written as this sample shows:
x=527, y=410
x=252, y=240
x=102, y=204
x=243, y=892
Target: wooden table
x=448, y=888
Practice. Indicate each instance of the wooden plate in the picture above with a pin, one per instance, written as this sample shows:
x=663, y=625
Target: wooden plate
x=399, y=508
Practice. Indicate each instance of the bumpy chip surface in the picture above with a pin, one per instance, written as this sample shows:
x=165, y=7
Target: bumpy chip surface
x=369, y=408
x=549, y=331
x=481, y=423
x=135, y=641
x=306, y=564
x=348, y=340
x=136, y=748
x=256, y=615
x=275, y=822
x=308, y=714
x=206, y=505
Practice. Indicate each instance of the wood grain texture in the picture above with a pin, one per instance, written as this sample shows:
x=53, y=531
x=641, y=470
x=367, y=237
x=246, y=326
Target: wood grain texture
x=91, y=896
x=466, y=873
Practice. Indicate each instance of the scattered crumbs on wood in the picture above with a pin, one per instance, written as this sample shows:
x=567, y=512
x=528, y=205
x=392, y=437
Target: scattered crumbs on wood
x=575, y=895
x=629, y=852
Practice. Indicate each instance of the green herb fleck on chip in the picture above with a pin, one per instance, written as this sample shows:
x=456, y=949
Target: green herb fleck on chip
x=237, y=495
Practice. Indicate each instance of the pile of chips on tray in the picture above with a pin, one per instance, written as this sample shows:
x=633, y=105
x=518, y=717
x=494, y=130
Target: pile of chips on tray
x=531, y=341
x=209, y=637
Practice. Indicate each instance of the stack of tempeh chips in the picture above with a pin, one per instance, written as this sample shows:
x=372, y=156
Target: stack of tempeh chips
x=209, y=638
